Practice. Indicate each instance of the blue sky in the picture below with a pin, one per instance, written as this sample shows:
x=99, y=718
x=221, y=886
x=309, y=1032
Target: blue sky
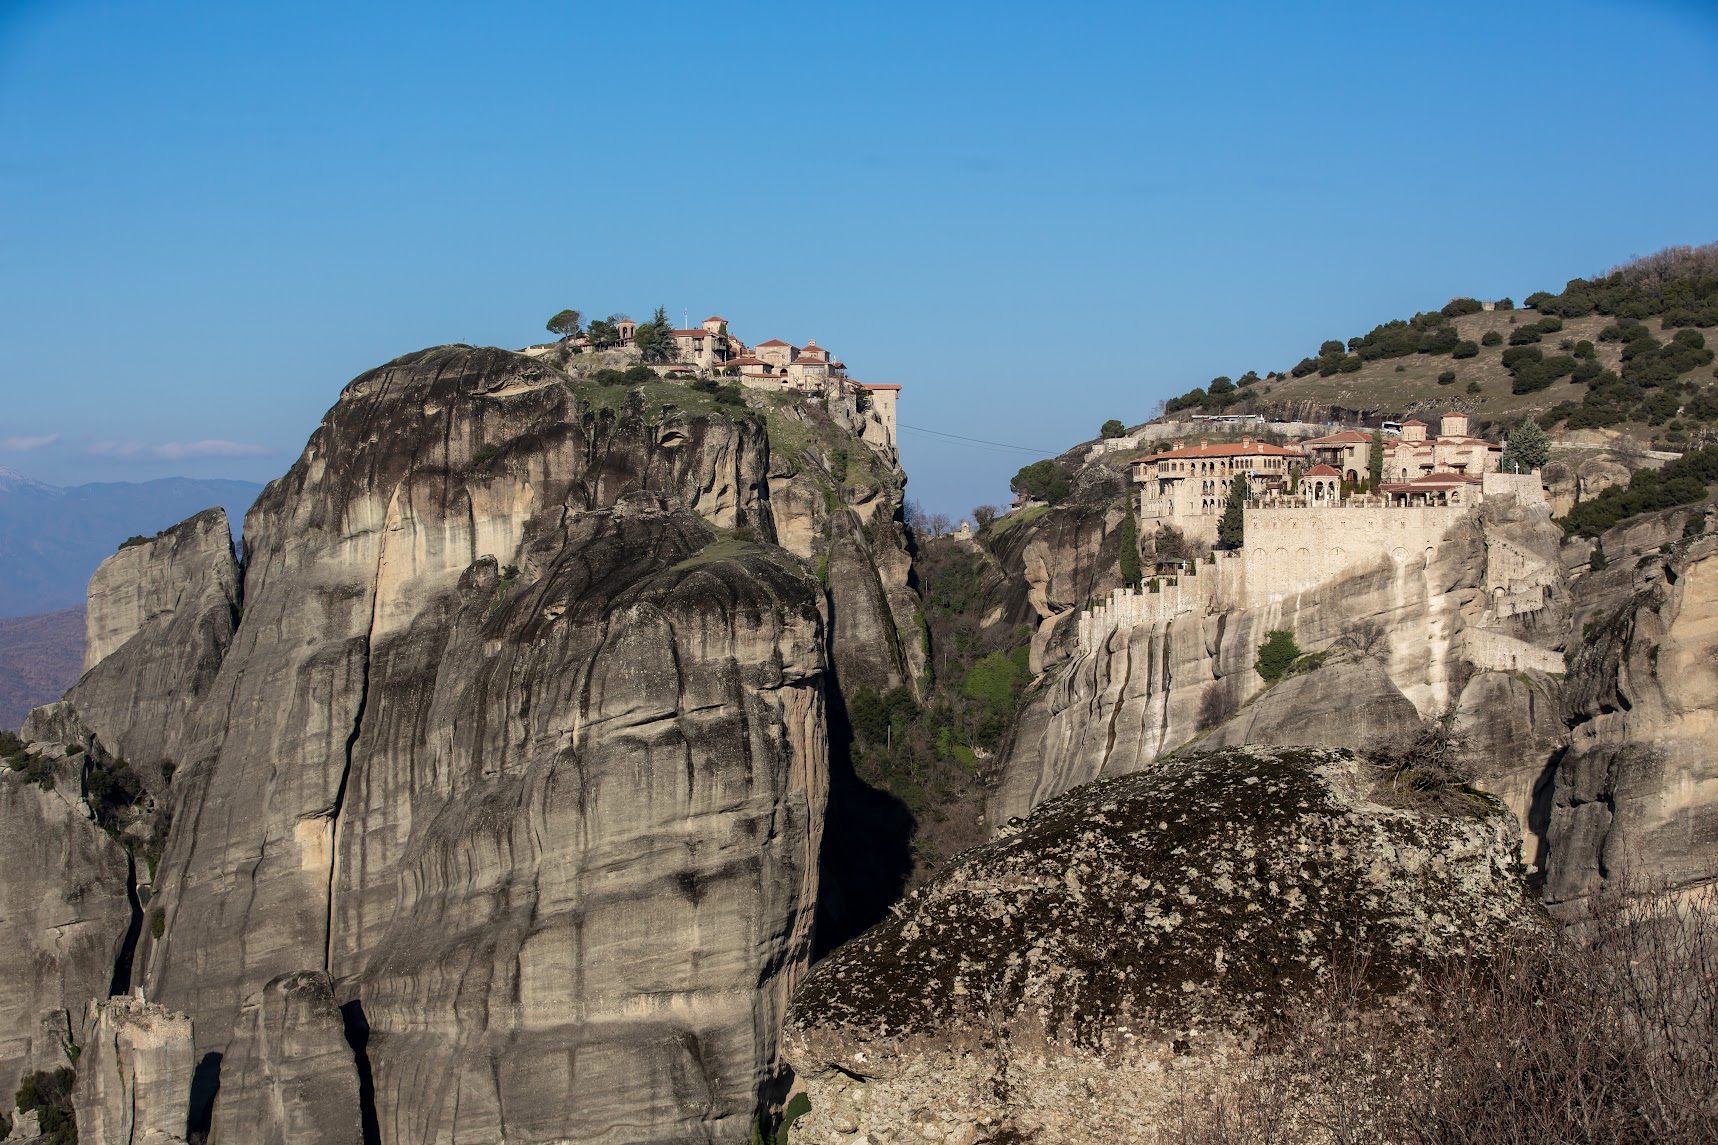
x=1034, y=217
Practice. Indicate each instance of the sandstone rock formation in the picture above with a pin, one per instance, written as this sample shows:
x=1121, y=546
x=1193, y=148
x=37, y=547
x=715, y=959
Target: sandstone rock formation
x=1493, y=598
x=66, y=918
x=134, y=1075
x=1131, y=921
x=1636, y=794
x=296, y=1078
x=178, y=591
x=498, y=770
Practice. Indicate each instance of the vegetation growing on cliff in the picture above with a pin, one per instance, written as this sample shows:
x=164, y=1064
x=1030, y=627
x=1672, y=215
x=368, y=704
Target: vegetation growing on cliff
x=1682, y=482
x=932, y=754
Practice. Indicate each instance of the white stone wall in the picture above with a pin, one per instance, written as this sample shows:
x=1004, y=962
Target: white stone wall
x=1290, y=550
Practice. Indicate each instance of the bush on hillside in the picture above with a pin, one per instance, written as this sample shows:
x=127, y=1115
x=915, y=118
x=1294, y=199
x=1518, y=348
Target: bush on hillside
x=1112, y=428
x=1503, y=304
x=1491, y=338
x=1456, y=307
x=1682, y=482
x=1351, y=364
x=1465, y=349
x=1473, y=387
x=1276, y=655
x=1550, y=324
x=1331, y=347
x=49, y=1095
x=1447, y=378
x=1524, y=335
x=1584, y=349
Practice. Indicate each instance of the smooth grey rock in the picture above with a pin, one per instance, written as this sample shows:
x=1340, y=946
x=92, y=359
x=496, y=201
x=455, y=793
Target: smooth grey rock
x=521, y=741
x=134, y=1075
x=296, y=1079
x=65, y=914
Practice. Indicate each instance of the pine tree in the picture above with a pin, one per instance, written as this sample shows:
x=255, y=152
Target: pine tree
x=1231, y=529
x=1597, y=560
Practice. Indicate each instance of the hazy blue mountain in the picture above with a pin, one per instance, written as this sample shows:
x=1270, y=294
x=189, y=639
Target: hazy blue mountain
x=52, y=538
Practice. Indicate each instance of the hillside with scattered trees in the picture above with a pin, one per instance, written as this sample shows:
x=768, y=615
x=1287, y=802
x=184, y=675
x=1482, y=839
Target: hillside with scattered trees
x=1627, y=350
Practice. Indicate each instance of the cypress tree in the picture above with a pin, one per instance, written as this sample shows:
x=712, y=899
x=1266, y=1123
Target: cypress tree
x=1130, y=570
x=1231, y=529
x=1375, y=461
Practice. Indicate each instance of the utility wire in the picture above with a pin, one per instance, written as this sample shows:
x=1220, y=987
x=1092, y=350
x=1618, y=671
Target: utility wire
x=979, y=440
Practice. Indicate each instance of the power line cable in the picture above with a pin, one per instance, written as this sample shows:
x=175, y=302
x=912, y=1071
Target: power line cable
x=980, y=440
x=933, y=439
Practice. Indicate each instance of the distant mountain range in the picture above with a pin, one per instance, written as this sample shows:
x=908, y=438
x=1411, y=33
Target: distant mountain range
x=52, y=538
x=40, y=657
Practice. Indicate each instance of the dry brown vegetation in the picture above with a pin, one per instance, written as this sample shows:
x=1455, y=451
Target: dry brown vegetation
x=1605, y=1035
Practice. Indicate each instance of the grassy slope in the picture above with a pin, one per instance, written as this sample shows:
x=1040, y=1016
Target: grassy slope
x=1378, y=387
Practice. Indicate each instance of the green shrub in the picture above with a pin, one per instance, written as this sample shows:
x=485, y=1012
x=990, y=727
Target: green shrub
x=1456, y=307
x=1473, y=387
x=1447, y=378
x=1465, y=350
x=1550, y=324
x=1112, y=428
x=1491, y=338
x=1044, y=480
x=1524, y=335
x=1351, y=364
x=1276, y=655
x=50, y=1096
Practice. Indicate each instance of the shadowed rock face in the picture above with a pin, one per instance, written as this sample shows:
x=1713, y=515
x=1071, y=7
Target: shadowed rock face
x=65, y=912
x=1134, y=914
x=518, y=747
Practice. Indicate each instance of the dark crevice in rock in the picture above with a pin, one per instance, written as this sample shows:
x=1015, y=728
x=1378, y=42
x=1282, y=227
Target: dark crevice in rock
x=1542, y=799
x=121, y=983
x=358, y=1037
x=867, y=852
x=205, y=1086
x=340, y=791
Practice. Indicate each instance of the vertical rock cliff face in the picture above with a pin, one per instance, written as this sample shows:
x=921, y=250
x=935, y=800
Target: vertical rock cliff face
x=134, y=1075
x=1405, y=640
x=519, y=746
x=65, y=914
x=1636, y=796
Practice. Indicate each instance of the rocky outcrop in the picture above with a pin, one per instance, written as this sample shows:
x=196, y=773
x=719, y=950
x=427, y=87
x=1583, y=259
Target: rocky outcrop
x=498, y=770
x=1406, y=637
x=177, y=591
x=67, y=915
x=1635, y=802
x=1133, y=921
x=134, y=1075
x=297, y=1078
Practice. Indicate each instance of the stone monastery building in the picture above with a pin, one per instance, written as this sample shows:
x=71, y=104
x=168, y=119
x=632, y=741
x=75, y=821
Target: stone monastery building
x=1187, y=487
x=710, y=350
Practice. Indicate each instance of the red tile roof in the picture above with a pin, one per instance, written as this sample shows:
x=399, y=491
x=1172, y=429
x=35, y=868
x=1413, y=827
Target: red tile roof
x=862, y=385
x=1408, y=423
x=698, y=333
x=773, y=342
x=1347, y=435
x=1322, y=471
x=1231, y=449
x=715, y=318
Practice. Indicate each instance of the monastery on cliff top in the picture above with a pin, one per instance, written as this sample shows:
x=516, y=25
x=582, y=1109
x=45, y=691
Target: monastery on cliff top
x=709, y=350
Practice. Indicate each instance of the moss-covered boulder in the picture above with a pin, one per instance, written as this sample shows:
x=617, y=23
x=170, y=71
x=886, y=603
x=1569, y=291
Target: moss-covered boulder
x=1134, y=913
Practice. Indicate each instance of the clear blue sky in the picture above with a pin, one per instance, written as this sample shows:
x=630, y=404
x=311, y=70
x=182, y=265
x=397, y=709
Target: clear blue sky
x=1033, y=217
